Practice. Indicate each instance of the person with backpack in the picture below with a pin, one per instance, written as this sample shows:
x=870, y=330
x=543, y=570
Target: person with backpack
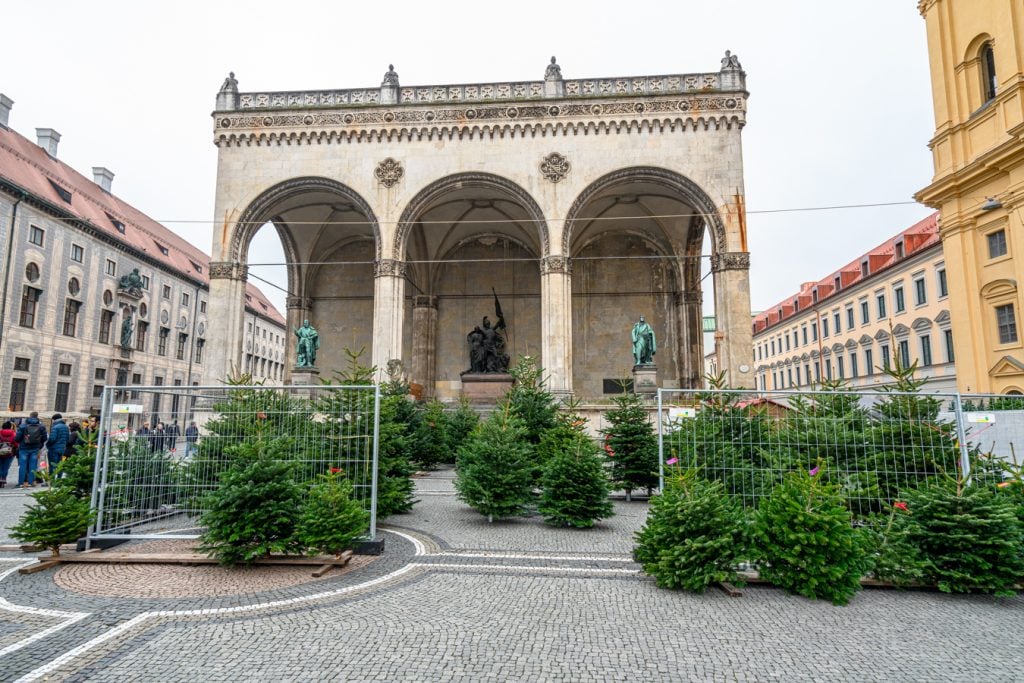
x=57, y=444
x=75, y=439
x=30, y=438
x=8, y=450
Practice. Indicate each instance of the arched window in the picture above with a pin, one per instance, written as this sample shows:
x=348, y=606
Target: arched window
x=988, y=72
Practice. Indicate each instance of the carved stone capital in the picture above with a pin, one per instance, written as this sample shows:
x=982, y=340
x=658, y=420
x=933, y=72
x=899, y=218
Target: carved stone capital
x=389, y=267
x=424, y=301
x=689, y=297
x=298, y=302
x=730, y=260
x=227, y=270
x=556, y=264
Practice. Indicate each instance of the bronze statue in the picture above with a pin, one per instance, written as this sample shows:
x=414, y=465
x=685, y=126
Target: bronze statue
x=131, y=283
x=126, y=328
x=487, y=344
x=644, y=346
x=307, y=346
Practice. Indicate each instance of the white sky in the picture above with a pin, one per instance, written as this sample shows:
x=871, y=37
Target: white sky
x=839, y=112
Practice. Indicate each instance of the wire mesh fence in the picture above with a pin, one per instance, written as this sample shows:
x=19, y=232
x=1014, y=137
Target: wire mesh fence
x=874, y=445
x=162, y=449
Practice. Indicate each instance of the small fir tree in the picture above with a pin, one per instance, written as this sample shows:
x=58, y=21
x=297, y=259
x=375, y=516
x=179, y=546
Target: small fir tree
x=694, y=536
x=804, y=541
x=893, y=556
x=631, y=444
x=461, y=424
x=492, y=471
x=431, y=438
x=58, y=516
x=255, y=510
x=529, y=400
x=78, y=470
x=575, y=486
x=331, y=520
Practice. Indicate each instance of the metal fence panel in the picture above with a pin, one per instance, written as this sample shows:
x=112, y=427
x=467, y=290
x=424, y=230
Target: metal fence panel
x=161, y=449
x=873, y=444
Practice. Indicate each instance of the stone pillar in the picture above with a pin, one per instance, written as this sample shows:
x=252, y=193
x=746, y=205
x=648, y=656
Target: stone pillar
x=226, y=316
x=731, y=272
x=388, y=312
x=690, y=322
x=556, y=323
x=424, y=343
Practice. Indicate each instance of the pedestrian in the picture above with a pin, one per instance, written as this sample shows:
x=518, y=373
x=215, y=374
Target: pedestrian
x=75, y=440
x=159, y=437
x=8, y=450
x=30, y=438
x=191, y=437
x=145, y=436
x=173, y=432
x=57, y=444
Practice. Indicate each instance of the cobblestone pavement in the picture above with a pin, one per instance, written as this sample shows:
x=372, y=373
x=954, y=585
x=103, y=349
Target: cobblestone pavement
x=457, y=599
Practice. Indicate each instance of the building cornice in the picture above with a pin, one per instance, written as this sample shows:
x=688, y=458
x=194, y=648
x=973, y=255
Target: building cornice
x=983, y=168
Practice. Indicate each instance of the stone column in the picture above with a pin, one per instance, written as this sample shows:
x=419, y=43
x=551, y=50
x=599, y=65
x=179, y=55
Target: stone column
x=225, y=320
x=556, y=323
x=731, y=272
x=690, y=322
x=424, y=343
x=388, y=312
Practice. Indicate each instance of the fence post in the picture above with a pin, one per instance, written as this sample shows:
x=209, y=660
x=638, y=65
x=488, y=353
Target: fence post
x=961, y=437
x=661, y=446
x=102, y=446
x=376, y=453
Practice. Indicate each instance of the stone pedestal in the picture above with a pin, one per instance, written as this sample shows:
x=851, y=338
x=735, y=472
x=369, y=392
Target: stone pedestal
x=485, y=388
x=305, y=377
x=645, y=379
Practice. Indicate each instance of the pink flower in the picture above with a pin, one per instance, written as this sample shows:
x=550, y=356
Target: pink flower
x=672, y=461
x=813, y=472
x=335, y=470
x=900, y=505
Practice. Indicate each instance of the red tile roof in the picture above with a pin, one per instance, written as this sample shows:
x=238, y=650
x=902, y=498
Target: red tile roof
x=921, y=236
x=27, y=165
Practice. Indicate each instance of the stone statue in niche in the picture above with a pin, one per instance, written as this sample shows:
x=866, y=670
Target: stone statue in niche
x=127, y=328
x=487, y=346
x=644, y=345
x=307, y=346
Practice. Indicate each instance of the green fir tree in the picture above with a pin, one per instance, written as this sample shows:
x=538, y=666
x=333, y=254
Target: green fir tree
x=332, y=521
x=575, y=484
x=529, y=400
x=631, y=444
x=431, y=445
x=56, y=517
x=461, y=424
x=492, y=471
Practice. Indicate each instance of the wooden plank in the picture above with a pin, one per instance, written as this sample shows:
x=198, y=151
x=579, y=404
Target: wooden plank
x=730, y=590
x=42, y=565
x=198, y=558
x=323, y=570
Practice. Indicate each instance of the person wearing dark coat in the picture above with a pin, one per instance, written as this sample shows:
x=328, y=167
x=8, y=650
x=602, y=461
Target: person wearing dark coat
x=57, y=444
x=30, y=438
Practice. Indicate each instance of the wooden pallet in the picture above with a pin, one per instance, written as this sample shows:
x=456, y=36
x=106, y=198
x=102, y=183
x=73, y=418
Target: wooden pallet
x=324, y=563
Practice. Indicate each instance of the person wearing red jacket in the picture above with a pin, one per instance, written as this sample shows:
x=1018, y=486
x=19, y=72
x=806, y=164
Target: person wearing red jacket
x=8, y=450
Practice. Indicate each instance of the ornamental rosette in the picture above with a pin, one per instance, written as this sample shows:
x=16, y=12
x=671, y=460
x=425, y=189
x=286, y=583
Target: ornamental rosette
x=555, y=167
x=389, y=172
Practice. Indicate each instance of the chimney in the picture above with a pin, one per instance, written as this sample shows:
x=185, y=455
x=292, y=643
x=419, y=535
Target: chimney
x=48, y=139
x=5, y=110
x=103, y=177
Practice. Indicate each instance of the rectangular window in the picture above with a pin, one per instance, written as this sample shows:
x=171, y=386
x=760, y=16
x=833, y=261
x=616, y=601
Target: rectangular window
x=803, y=332
x=828, y=370
x=837, y=322
x=849, y=317
x=899, y=250
x=200, y=343
x=904, y=347
x=881, y=306
x=814, y=331
x=111, y=268
x=21, y=364
x=77, y=253
x=920, y=296
x=841, y=366
x=184, y=298
x=798, y=382
x=60, y=403
x=101, y=373
x=948, y=334
x=202, y=307
x=773, y=347
x=807, y=373
x=175, y=398
x=996, y=244
x=897, y=294
x=182, y=343
x=943, y=285
x=161, y=341
x=36, y=235
x=824, y=327
x=145, y=282
x=1006, y=320
x=71, y=308
x=29, y=299
x=64, y=369
x=166, y=293
x=106, y=321
x=885, y=356
x=869, y=362
x=787, y=342
x=817, y=371
x=140, y=335
x=926, y=350
x=97, y=390
x=865, y=312
x=853, y=365
x=789, y=377
x=796, y=339
x=17, y=400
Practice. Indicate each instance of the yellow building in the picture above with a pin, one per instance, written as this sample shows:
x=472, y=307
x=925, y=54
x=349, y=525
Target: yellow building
x=976, y=51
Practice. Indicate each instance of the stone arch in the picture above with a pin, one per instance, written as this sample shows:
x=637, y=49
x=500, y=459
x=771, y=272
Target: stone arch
x=435, y=190
x=688, y=190
x=261, y=209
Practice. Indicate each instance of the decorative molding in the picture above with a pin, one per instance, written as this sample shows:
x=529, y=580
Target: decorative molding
x=389, y=172
x=555, y=167
x=228, y=270
x=424, y=301
x=389, y=268
x=730, y=260
x=689, y=297
x=298, y=303
x=556, y=264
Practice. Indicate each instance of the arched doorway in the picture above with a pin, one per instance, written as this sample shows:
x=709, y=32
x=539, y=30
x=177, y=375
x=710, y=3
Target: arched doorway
x=462, y=237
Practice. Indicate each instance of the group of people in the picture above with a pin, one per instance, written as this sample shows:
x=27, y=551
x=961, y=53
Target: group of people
x=163, y=437
x=25, y=442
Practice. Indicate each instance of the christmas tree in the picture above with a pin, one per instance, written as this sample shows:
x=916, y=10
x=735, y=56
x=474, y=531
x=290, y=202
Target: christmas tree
x=58, y=516
x=632, y=445
x=575, y=486
x=331, y=520
x=492, y=471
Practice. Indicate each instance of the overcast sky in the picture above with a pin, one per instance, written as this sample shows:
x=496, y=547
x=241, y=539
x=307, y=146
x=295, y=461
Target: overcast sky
x=839, y=111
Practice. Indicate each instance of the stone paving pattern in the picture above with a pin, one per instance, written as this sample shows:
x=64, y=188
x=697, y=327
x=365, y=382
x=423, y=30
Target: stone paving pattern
x=509, y=601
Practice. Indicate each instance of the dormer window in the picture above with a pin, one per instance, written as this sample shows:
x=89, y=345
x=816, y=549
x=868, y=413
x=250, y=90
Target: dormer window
x=796, y=305
x=837, y=282
x=814, y=295
x=61, y=192
x=118, y=225
x=162, y=248
x=198, y=267
x=899, y=250
x=988, y=72
x=864, y=268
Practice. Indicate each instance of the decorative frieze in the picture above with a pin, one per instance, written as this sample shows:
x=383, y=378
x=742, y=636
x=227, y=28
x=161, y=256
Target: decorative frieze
x=556, y=264
x=298, y=302
x=555, y=167
x=389, y=267
x=227, y=270
x=730, y=260
x=424, y=301
x=389, y=172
